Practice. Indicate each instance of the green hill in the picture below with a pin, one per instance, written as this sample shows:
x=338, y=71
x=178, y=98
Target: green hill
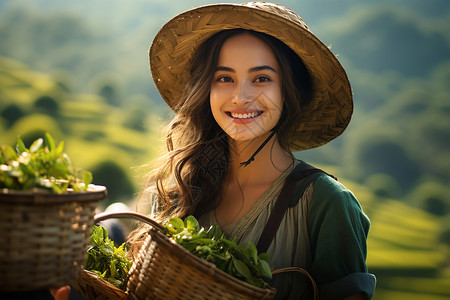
x=98, y=136
x=404, y=251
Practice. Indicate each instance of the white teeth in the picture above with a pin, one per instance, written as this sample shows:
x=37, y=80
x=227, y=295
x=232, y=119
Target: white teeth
x=244, y=116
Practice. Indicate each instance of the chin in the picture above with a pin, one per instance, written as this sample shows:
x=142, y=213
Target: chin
x=245, y=136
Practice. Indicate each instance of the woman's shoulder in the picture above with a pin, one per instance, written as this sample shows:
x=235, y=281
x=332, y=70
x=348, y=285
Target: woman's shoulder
x=328, y=183
x=333, y=201
x=331, y=192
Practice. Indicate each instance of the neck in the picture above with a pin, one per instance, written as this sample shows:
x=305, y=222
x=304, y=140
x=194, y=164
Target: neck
x=271, y=159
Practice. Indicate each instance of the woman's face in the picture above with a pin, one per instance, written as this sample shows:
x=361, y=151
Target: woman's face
x=245, y=92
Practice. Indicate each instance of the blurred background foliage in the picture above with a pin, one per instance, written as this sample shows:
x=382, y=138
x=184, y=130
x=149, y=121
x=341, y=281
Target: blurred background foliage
x=79, y=70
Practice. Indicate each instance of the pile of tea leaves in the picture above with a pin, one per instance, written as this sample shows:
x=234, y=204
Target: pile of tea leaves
x=43, y=165
x=107, y=261
x=242, y=262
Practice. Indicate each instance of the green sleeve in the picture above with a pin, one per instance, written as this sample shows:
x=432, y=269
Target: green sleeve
x=338, y=230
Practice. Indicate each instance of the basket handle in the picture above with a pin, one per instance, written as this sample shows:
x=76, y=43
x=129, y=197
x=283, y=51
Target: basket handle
x=304, y=272
x=128, y=215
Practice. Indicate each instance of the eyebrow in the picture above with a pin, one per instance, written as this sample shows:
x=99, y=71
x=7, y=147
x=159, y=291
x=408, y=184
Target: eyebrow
x=254, y=69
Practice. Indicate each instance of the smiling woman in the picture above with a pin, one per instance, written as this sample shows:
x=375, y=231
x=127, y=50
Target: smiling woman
x=244, y=98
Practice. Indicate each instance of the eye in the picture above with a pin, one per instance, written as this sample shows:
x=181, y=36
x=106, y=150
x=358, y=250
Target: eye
x=224, y=79
x=261, y=79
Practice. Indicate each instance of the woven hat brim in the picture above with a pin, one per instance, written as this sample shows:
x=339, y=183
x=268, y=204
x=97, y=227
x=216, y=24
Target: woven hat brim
x=175, y=44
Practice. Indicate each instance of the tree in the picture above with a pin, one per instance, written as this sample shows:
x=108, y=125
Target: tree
x=136, y=119
x=47, y=105
x=383, y=39
x=444, y=237
x=116, y=180
x=377, y=147
x=431, y=196
x=11, y=114
x=383, y=185
x=108, y=91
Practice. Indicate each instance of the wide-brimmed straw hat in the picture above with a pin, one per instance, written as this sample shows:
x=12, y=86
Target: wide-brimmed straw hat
x=325, y=118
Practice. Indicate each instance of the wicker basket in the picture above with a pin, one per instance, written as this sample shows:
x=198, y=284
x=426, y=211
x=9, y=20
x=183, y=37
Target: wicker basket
x=44, y=237
x=93, y=287
x=165, y=270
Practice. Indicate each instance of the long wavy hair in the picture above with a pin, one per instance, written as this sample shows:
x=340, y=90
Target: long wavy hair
x=189, y=178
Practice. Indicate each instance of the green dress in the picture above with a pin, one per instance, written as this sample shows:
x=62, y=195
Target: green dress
x=325, y=233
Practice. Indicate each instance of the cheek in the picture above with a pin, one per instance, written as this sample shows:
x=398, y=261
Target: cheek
x=279, y=103
x=275, y=115
x=274, y=104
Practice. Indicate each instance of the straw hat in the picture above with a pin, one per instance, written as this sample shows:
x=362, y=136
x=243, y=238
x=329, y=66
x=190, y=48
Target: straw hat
x=174, y=45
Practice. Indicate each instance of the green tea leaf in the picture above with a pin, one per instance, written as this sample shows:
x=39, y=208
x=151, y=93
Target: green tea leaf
x=253, y=252
x=242, y=269
x=49, y=141
x=264, y=268
x=113, y=268
x=8, y=153
x=175, y=225
x=60, y=149
x=263, y=256
x=20, y=146
x=27, y=170
x=191, y=224
x=56, y=188
x=106, y=249
x=59, y=170
x=104, y=233
x=96, y=237
x=36, y=145
x=87, y=178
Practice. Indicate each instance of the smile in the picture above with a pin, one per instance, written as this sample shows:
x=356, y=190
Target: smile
x=245, y=115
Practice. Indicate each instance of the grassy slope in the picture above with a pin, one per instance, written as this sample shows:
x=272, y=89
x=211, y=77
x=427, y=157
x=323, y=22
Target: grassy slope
x=91, y=129
x=403, y=251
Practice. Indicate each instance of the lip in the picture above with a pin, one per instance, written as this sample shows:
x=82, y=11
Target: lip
x=244, y=116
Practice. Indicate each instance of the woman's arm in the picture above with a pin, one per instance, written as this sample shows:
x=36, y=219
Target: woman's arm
x=338, y=232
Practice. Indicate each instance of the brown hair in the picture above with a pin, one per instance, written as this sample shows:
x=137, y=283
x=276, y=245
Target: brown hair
x=190, y=176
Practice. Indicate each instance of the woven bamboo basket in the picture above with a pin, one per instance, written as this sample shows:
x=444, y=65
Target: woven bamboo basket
x=44, y=237
x=165, y=270
x=93, y=287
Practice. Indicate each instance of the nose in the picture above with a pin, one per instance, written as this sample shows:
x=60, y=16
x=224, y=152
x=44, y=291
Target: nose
x=242, y=94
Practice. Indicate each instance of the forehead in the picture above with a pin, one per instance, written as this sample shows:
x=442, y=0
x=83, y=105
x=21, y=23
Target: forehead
x=246, y=48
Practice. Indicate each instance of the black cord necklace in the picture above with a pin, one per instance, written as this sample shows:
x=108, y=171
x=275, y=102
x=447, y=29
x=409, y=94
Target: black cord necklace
x=252, y=158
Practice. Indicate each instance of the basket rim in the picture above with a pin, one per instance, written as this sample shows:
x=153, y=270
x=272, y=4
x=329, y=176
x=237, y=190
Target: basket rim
x=94, y=281
x=111, y=286
x=40, y=196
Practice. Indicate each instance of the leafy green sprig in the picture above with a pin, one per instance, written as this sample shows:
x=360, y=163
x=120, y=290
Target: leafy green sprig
x=107, y=261
x=43, y=165
x=239, y=261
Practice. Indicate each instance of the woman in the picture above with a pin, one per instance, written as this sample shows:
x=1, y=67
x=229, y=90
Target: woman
x=249, y=84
